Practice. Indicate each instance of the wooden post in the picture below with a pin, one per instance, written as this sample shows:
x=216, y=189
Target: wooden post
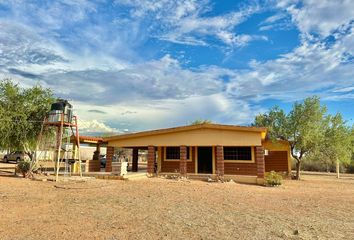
x=78, y=146
x=337, y=168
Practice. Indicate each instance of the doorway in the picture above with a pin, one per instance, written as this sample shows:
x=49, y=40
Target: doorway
x=205, y=160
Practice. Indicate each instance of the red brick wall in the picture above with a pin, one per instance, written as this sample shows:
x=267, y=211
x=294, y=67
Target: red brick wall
x=93, y=166
x=151, y=159
x=260, y=162
x=220, y=169
x=240, y=168
x=109, y=158
x=183, y=160
x=276, y=161
x=174, y=166
x=232, y=168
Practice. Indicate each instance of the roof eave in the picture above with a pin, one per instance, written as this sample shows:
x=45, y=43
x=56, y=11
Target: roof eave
x=187, y=128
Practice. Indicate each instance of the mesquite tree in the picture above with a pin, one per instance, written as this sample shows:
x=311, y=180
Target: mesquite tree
x=302, y=127
x=22, y=111
x=336, y=146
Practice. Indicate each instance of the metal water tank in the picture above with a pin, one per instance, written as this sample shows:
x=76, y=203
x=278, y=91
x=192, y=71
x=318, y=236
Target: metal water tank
x=58, y=108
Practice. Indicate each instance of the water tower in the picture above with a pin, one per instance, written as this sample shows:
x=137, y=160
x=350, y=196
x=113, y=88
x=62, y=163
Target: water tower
x=63, y=124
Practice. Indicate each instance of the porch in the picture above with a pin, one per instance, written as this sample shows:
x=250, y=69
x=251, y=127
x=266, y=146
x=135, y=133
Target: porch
x=198, y=162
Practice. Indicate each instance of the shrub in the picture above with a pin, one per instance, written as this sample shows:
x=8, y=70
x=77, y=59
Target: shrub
x=24, y=166
x=273, y=179
x=350, y=168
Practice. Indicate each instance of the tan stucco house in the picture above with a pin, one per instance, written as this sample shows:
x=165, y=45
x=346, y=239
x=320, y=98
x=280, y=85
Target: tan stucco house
x=237, y=152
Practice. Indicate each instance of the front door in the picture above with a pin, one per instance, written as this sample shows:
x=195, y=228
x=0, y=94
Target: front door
x=205, y=160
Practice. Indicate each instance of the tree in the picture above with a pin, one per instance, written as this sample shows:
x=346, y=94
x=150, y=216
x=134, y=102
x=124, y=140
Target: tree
x=302, y=127
x=275, y=121
x=336, y=145
x=22, y=111
x=200, y=121
x=352, y=140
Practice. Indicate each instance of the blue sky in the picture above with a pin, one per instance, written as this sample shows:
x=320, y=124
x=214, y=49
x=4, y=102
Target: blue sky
x=131, y=65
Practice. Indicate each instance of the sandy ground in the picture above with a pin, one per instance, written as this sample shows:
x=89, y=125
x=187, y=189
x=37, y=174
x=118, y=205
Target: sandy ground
x=315, y=208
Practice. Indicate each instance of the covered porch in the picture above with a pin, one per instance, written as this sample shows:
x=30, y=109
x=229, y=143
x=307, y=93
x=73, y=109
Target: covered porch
x=197, y=162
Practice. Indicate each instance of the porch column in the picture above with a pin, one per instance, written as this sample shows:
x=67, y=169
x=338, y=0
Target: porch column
x=260, y=162
x=135, y=159
x=151, y=160
x=220, y=160
x=109, y=158
x=96, y=154
x=183, y=160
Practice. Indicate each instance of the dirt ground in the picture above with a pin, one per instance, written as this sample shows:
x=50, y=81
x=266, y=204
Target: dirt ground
x=317, y=207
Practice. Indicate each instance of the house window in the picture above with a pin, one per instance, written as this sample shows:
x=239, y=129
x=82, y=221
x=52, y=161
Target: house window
x=174, y=152
x=238, y=153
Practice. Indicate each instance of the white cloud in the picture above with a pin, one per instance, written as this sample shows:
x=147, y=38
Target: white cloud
x=136, y=94
x=171, y=112
x=274, y=18
x=312, y=68
x=185, y=22
x=94, y=126
x=276, y=22
x=344, y=90
x=157, y=79
x=321, y=17
x=51, y=15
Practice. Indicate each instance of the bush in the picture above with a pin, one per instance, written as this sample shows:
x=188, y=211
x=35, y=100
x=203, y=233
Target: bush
x=350, y=168
x=24, y=166
x=273, y=179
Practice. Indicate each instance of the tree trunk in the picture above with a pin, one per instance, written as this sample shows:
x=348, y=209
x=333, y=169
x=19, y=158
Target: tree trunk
x=337, y=169
x=298, y=166
x=30, y=155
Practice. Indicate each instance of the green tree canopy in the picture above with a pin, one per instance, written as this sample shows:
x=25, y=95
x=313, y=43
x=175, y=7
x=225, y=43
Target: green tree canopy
x=22, y=111
x=302, y=127
x=200, y=121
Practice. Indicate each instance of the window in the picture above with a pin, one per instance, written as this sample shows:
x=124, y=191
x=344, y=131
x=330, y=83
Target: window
x=173, y=152
x=238, y=153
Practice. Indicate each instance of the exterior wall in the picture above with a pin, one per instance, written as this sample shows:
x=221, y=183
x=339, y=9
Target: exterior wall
x=230, y=167
x=220, y=163
x=196, y=137
x=183, y=160
x=241, y=168
x=260, y=162
x=172, y=166
x=276, y=161
x=93, y=166
x=278, y=158
x=109, y=158
x=151, y=160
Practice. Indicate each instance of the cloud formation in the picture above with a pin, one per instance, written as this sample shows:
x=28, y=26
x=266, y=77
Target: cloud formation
x=120, y=71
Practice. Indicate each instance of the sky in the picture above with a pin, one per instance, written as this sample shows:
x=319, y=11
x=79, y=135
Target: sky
x=133, y=65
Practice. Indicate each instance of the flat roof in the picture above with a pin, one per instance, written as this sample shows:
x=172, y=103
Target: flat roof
x=187, y=128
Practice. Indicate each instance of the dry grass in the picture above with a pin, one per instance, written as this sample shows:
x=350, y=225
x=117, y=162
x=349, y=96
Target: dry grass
x=315, y=208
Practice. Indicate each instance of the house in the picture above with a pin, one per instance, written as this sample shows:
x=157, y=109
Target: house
x=238, y=152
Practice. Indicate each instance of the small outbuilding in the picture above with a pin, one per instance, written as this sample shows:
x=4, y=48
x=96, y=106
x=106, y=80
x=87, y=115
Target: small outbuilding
x=237, y=152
